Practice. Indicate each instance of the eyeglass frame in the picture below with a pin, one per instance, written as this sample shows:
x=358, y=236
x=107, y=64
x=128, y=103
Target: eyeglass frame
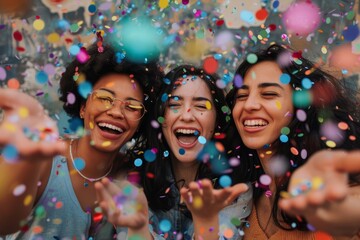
x=114, y=99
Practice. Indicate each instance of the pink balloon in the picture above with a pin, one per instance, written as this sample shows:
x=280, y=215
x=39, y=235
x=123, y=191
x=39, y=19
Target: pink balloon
x=302, y=18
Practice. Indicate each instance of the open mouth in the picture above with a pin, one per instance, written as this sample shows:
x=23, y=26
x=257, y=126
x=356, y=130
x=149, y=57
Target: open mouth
x=255, y=123
x=107, y=127
x=187, y=136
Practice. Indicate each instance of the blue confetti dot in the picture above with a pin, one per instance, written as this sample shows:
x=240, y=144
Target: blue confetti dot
x=247, y=16
x=149, y=156
x=225, y=181
x=351, y=33
x=166, y=153
x=285, y=78
x=85, y=89
x=306, y=83
x=165, y=225
x=10, y=153
x=79, y=163
x=196, y=132
x=92, y=8
x=167, y=81
x=218, y=56
x=74, y=50
x=164, y=97
x=75, y=123
x=182, y=151
x=41, y=77
x=276, y=4
x=138, y=162
x=284, y=138
x=202, y=140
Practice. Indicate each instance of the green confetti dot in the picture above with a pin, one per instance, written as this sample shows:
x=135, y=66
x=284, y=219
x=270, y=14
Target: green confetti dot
x=236, y=222
x=74, y=28
x=251, y=58
x=285, y=130
x=350, y=15
x=302, y=99
x=161, y=119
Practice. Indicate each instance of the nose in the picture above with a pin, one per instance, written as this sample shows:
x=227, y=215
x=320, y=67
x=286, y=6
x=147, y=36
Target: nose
x=187, y=114
x=252, y=103
x=116, y=110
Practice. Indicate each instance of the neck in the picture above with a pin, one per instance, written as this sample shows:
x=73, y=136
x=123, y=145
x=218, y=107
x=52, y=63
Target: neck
x=265, y=156
x=97, y=163
x=186, y=171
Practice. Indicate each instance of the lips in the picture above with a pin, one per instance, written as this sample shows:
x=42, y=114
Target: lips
x=187, y=138
x=110, y=130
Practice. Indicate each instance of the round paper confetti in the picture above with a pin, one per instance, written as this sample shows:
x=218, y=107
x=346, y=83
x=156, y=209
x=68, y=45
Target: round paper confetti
x=238, y=81
x=18, y=190
x=306, y=83
x=265, y=180
x=41, y=77
x=39, y=24
x=251, y=58
x=351, y=33
x=149, y=156
x=284, y=138
x=85, y=89
x=210, y=65
x=2, y=74
x=79, y=163
x=10, y=153
x=13, y=83
x=17, y=36
x=301, y=115
x=92, y=8
x=53, y=38
x=285, y=78
x=138, y=162
x=234, y=162
x=302, y=99
x=225, y=181
x=165, y=225
x=181, y=151
x=202, y=140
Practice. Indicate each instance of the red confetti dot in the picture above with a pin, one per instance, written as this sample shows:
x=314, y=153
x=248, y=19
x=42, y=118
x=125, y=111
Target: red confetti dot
x=20, y=49
x=220, y=22
x=17, y=36
x=297, y=54
x=185, y=2
x=261, y=14
x=210, y=65
x=272, y=27
x=37, y=17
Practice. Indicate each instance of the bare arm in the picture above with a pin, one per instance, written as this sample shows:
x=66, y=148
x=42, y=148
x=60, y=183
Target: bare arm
x=329, y=204
x=20, y=165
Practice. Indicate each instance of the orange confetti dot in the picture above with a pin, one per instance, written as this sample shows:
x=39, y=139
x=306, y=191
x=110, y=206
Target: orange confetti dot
x=343, y=125
x=352, y=138
x=37, y=229
x=13, y=83
x=210, y=65
x=58, y=205
x=219, y=147
x=322, y=236
x=294, y=151
x=228, y=233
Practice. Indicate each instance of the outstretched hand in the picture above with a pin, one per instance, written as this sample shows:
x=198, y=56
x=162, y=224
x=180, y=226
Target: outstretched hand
x=27, y=128
x=125, y=206
x=205, y=202
x=319, y=189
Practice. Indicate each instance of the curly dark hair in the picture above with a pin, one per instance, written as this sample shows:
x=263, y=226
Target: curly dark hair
x=105, y=62
x=331, y=100
x=153, y=186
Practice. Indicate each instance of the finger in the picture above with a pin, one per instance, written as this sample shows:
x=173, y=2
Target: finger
x=10, y=98
x=195, y=190
x=207, y=189
x=348, y=162
x=134, y=221
x=235, y=191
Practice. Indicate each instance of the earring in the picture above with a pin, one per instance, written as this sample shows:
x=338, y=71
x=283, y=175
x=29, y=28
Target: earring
x=81, y=116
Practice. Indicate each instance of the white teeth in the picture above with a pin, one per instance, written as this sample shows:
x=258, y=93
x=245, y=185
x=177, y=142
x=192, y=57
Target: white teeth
x=107, y=125
x=185, y=131
x=253, y=123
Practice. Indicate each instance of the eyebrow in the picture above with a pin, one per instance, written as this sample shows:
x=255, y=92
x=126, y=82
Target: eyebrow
x=197, y=99
x=113, y=93
x=263, y=85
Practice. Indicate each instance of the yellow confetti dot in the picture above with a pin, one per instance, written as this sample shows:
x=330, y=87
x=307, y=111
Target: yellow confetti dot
x=285, y=194
x=268, y=152
x=197, y=202
x=39, y=24
x=208, y=105
x=317, y=183
x=53, y=38
x=27, y=200
x=324, y=50
x=330, y=144
x=23, y=112
x=91, y=125
x=10, y=127
x=278, y=104
x=163, y=3
x=106, y=143
x=114, y=18
x=57, y=221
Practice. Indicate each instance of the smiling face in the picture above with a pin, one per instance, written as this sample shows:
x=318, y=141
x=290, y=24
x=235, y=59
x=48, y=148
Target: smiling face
x=263, y=105
x=189, y=114
x=108, y=127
